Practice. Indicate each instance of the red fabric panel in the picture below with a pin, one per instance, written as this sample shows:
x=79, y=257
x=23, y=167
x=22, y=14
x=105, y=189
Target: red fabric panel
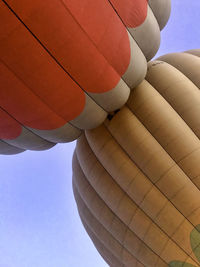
x=22, y=104
x=103, y=26
x=39, y=74
x=9, y=128
x=86, y=37
x=132, y=12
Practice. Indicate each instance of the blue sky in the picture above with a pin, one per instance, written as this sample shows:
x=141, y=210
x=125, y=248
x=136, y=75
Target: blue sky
x=39, y=224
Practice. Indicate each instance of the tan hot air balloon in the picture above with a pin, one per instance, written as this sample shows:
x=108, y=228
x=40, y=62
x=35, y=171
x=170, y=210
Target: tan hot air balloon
x=65, y=64
x=137, y=177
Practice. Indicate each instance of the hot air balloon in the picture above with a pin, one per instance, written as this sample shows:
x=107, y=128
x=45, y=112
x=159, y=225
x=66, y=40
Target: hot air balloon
x=137, y=177
x=66, y=64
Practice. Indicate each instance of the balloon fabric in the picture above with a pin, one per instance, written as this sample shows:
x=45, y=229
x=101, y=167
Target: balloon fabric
x=136, y=177
x=66, y=64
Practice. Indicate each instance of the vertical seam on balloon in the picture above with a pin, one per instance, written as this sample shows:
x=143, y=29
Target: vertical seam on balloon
x=195, y=177
x=162, y=148
x=175, y=162
x=128, y=29
x=40, y=99
x=98, y=240
x=83, y=217
x=22, y=126
x=103, y=201
x=121, y=245
x=178, y=161
x=48, y=51
x=86, y=204
x=169, y=237
x=170, y=103
x=125, y=25
x=12, y=146
x=191, y=250
x=138, y=207
x=166, y=153
x=118, y=13
x=190, y=153
x=154, y=86
x=91, y=232
x=10, y=116
x=153, y=185
x=101, y=198
x=57, y=62
x=91, y=39
x=101, y=248
x=86, y=226
x=150, y=180
x=189, y=255
x=190, y=178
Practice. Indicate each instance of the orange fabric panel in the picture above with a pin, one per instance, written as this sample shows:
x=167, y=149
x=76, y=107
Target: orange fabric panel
x=9, y=128
x=28, y=60
x=103, y=26
x=23, y=105
x=132, y=12
x=86, y=37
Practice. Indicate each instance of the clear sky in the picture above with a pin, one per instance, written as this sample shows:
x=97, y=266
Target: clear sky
x=39, y=224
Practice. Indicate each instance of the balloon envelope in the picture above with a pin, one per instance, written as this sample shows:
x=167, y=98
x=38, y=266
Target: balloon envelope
x=137, y=177
x=66, y=64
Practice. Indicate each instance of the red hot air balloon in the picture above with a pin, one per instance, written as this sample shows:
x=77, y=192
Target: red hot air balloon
x=66, y=64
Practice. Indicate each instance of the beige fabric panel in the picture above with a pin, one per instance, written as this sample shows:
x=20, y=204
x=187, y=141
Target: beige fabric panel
x=155, y=162
x=127, y=259
x=161, y=10
x=187, y=63
x=6, y=149
x=127, y=211
x=195, y=52
x=104, y=252
x=104, y=235
x=97, y=228
x=137, y=67
x=110, y=232
x=185, y=100
x=65, y=133
x=138, y=187
x=113, y=99
x=85, y=214
x=91, y=117
x=92, y=211
x=140, y=169
x=147, y=35
x=29, y=140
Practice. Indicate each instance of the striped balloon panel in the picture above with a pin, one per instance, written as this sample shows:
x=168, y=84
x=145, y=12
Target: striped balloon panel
x=66, y=64
x=136, y=178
